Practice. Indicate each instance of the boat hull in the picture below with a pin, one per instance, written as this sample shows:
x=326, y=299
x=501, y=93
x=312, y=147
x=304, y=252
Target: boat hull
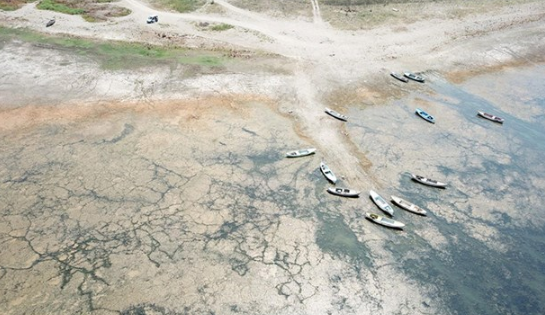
x=428, y=182
x=491, y=117
x=405, y=205
x=336, y=114
x=343, y=192
x=300, y=153
x=399, y=77
x=381, y=203
x=328, y=173
x=427, y=117
x=414, y=77
x=384, y=221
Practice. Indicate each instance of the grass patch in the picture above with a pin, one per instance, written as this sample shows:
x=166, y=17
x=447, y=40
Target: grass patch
x=221, y=27
x=59, y=6
x=113, y=55
x=180, y=5
x=12, y=5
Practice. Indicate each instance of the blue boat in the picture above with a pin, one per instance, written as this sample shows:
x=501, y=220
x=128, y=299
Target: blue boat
x=425, y=115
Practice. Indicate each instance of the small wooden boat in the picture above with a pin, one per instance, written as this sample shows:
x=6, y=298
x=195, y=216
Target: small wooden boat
x=328, y=173
x=381, y=203
x=425, y=115
x=427, y=181
x=491, y=117
x=414, y=77
x=384, y=221
x=50, y=23
x=343, y=192
x=336, y=114
x=404, y=204
x=400, y=77
x=300, y=153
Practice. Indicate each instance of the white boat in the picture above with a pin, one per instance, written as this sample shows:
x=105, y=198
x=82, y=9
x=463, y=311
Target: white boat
x=381, y=203
x=414, y=77
x=328, y=173
x=343, y=192
x=427, y=181
x=404, y=204
x=491, y=117
x=336, y=114
x=300, y=153
x=384, y=221
x=400, y=77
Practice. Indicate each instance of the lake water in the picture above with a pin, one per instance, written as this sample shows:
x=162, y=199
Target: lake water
x=488, y=256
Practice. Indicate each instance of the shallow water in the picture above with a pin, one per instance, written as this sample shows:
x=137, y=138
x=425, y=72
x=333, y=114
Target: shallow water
x=490, y=221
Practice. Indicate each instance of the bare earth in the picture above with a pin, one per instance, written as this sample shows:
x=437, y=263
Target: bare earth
x=149, y=190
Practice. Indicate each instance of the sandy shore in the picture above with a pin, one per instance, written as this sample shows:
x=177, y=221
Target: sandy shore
x=152, y=191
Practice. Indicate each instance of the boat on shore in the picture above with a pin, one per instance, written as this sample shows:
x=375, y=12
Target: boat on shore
x=343, y=192
x=400, y=77
x=414, y=77
x=425, y=115
x=491, y=117
x=427, y=181
x=328, y=173
x=336, y=114
x=300, y=153
x=404, y=204
x=381, y=203
x=384, y=221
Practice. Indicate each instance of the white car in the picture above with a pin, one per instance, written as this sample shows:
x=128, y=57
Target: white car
x=152, y=19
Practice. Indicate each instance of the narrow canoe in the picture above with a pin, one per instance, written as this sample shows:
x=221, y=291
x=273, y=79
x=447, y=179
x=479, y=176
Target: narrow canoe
x=328, y=173
x=404, y=204
x=427, y=181
x=384, y=221
x=300, y=153
x=343, y=192
x=491, y=117
x=336, y=114
x=400, y=77
x=381, y=203
x=414, y=77
x=425, y=115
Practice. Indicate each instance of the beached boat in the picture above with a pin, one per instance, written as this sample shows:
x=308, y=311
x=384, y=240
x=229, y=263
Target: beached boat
x=491, y=117
x=328, y=173
x=414, y=77
x=427, y=181
x=300, y=153
x=336, y=114
x=343, y=192
x=404, y=204
x=384, y=221
x=50, y=23
x=381, y=203
x=400, y=77
x=425, y=115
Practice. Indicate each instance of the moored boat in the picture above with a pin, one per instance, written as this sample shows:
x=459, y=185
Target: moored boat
x=384, y=221
x=414, y=77
x=425, y=115
x=336, y=114
x=300, y=153
x=328, y=173
x=400, y=77
x=50, y=23
x=381, y=203
x=427, y=181
x=404, y=204
x=491, y=117
x=343, y=192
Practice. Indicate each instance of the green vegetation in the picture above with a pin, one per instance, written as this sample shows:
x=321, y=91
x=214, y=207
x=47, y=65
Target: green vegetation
x=181, y=5
x=221, y=27
x=59, y=6
x=12, y=5
x=114, y=55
